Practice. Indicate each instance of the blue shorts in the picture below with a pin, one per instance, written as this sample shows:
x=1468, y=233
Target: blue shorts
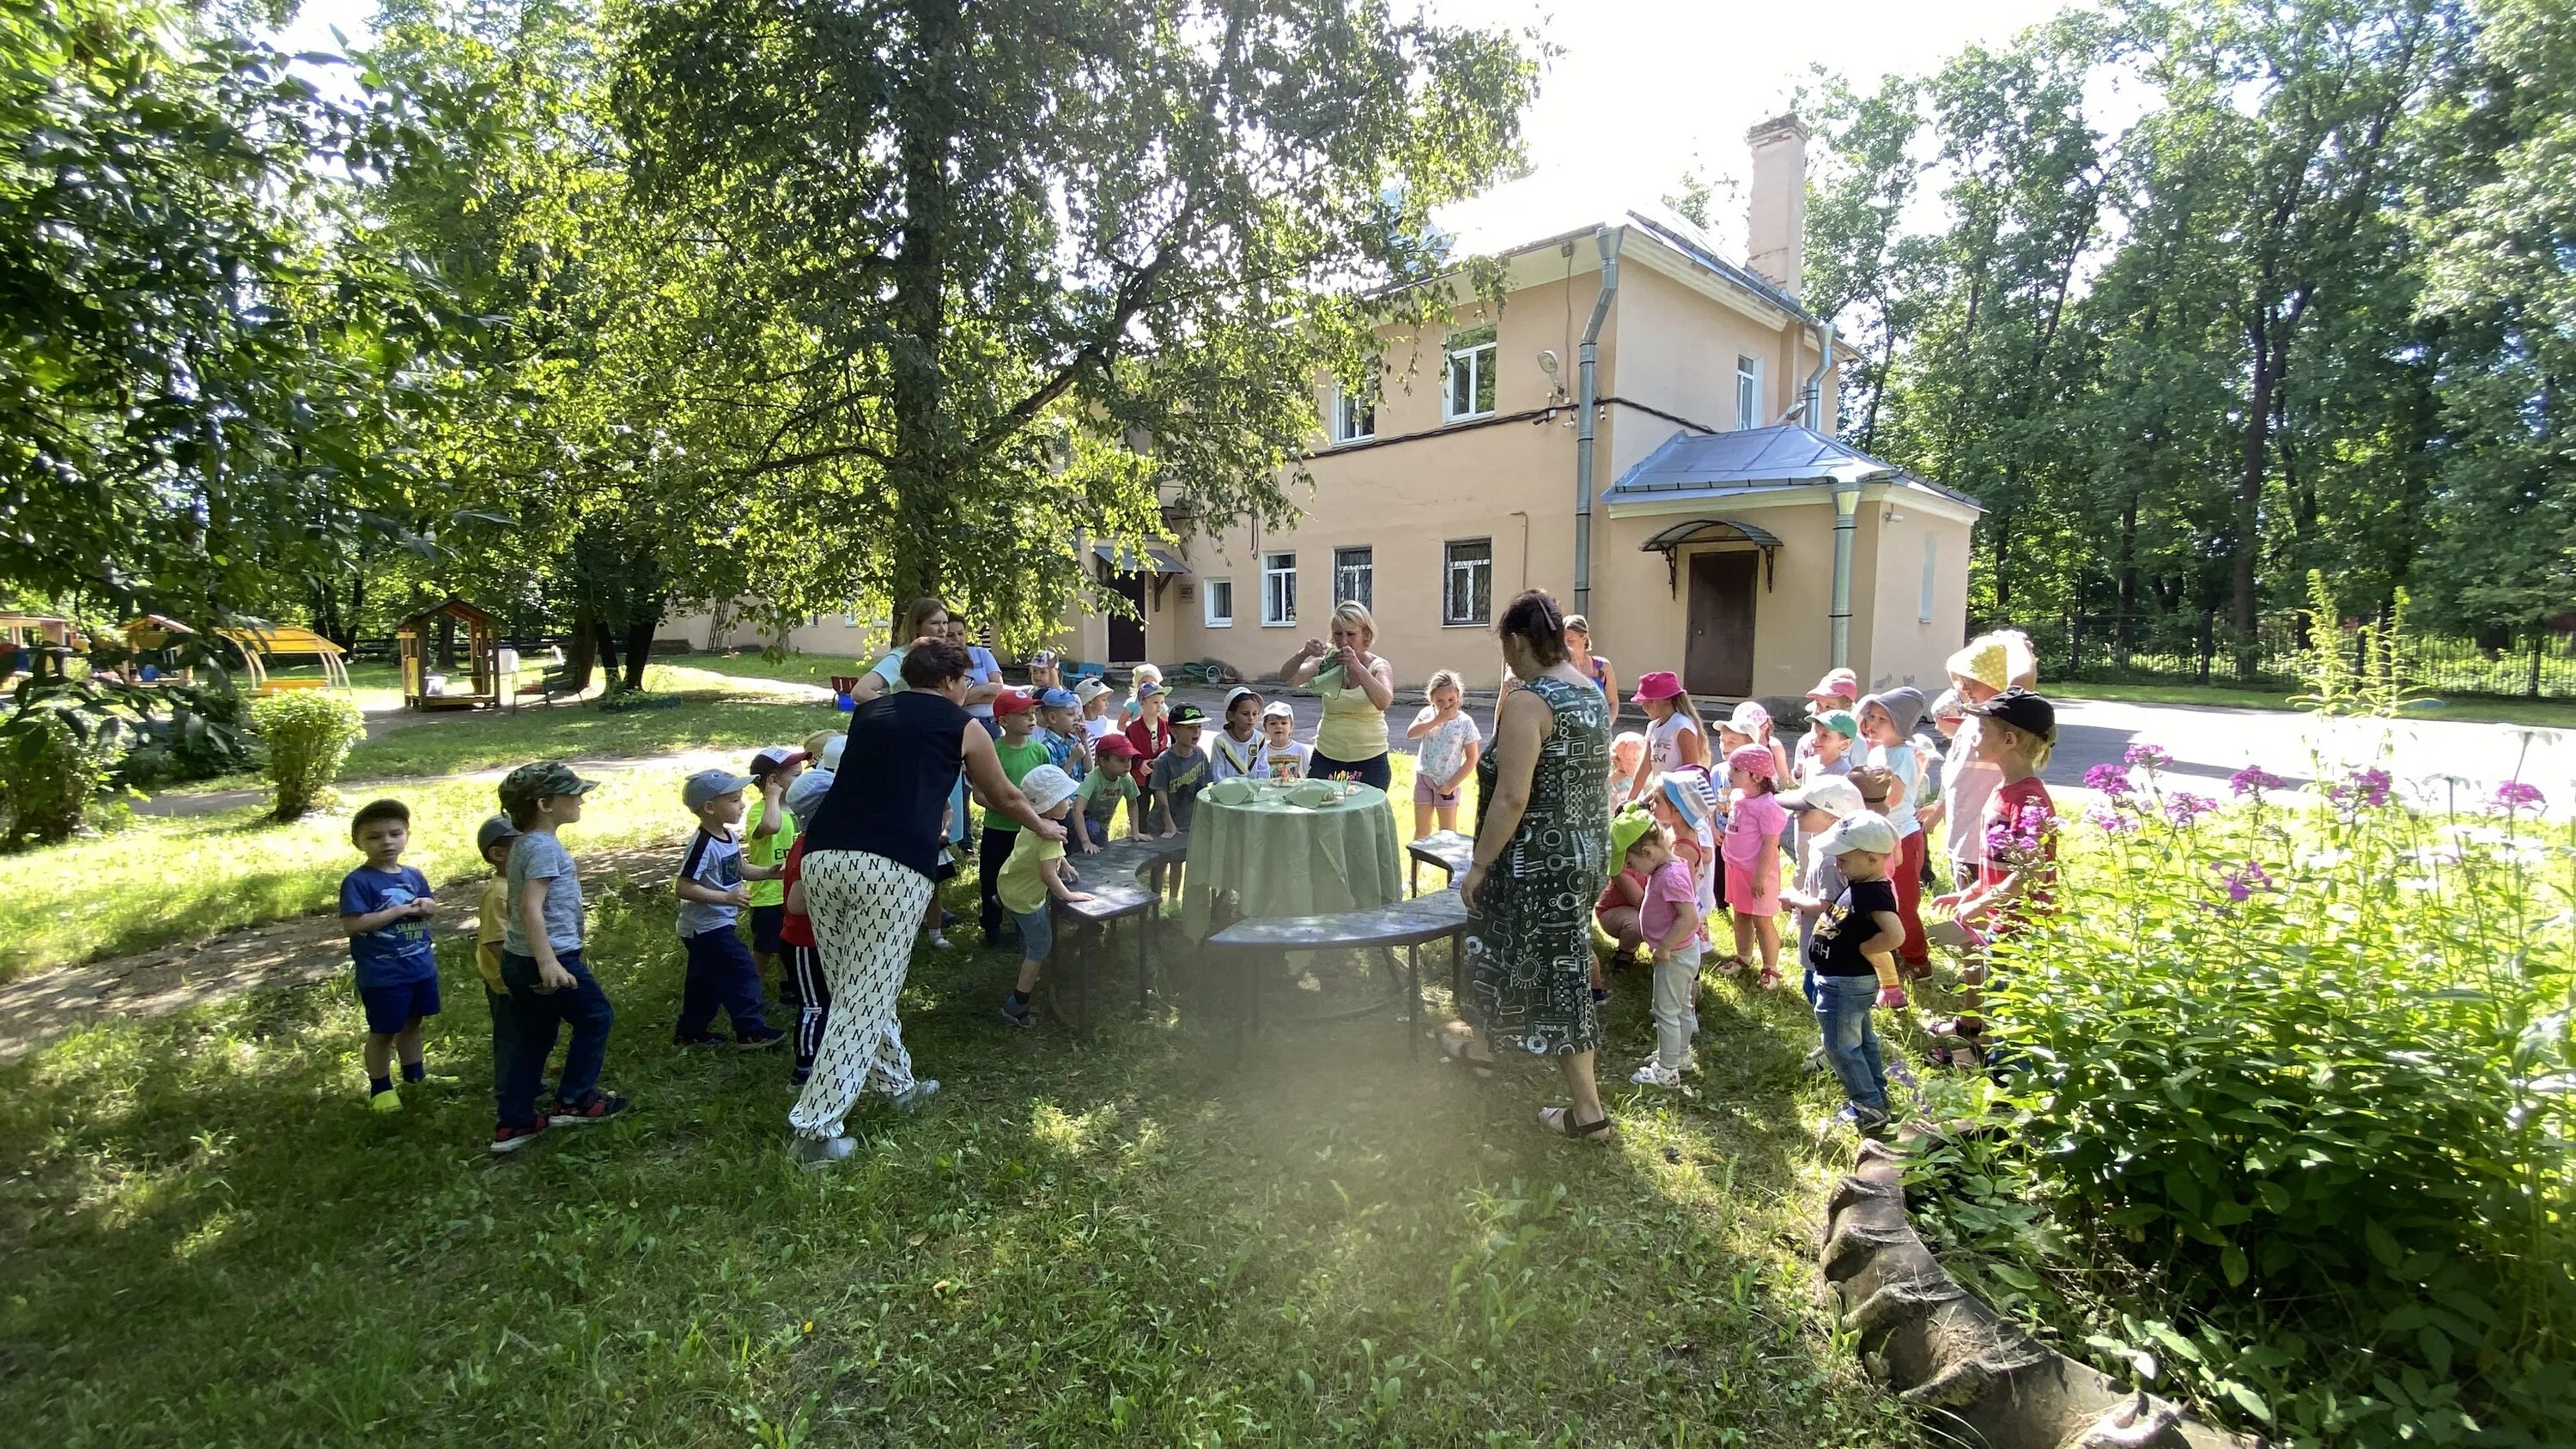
x=1037, y=933
x=765, y=921
x=391, y=1008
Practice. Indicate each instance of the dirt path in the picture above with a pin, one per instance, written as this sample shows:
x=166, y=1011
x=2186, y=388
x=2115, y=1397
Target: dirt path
x=37, y=1009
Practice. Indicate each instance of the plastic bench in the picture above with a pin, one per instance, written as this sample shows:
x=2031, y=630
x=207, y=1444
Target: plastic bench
x=1114, y=880
x=1407, y=924
x=1452, y=852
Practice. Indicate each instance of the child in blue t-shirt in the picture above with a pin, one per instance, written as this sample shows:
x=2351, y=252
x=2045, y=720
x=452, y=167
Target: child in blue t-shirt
x=385, y=907
x=713, y=888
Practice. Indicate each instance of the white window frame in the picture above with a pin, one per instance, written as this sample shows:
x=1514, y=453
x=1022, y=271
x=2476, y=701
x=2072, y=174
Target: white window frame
x=1278, y=587
x=1477, y=349
x=1931, y=565
x=1215, y=617
x=1748, y=391
x=1451, y=566
x=1366, y=568
x=1354, y=415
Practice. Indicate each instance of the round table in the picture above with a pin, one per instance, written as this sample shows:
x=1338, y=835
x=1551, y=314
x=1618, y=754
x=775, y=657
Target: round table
x=1278, y=859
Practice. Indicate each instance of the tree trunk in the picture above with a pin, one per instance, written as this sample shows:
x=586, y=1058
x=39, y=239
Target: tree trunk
x=607, y=638
x=447, y=643
x=918, y=471
x=2126, y=573
x=584, y=652
x=639, y=643
x=2249, y=486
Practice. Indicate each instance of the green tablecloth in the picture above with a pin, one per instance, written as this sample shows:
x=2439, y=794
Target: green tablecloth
x=1284, y=860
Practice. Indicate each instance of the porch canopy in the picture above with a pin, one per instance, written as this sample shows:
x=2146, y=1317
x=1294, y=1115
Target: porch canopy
x=1155, y=561
x=1673, y=540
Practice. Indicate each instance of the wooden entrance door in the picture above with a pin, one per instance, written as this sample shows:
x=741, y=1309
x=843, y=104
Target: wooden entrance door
x=1718, y=658
x=1127, y=636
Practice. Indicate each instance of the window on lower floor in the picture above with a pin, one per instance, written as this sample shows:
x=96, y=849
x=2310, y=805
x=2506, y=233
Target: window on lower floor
x=1220, y=603
x=1354, y=577
x=1278, y=588
x=1469, y=597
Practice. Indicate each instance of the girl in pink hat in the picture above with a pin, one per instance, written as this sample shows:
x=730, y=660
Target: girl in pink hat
x=1752, y=851
x=1674, y=735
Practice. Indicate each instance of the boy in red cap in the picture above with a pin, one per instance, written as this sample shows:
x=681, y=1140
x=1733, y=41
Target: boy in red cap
x=1016, y=711
x=1099, y=794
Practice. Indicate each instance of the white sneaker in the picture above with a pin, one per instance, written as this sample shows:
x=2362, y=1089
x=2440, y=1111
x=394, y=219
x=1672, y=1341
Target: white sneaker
x=817, y=1153
x=1651, y=1075
x=936, y=940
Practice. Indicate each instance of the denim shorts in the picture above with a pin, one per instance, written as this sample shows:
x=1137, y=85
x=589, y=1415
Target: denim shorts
x=1037, y=933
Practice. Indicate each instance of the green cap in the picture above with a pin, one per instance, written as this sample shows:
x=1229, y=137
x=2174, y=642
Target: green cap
x=1840, y=721
x=1625, y=829
x=523, y=787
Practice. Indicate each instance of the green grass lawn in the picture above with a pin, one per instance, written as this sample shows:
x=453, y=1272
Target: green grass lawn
x=494, y=740
x=1153, y=1239
x=2546, y=713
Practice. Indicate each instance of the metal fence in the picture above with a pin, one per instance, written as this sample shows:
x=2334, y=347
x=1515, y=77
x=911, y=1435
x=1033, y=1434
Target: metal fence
x=2206, y=649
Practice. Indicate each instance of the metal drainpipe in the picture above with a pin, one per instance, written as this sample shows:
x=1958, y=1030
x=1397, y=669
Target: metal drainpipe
x=1846, y=512
x=1815, y=399
x=1587, y=400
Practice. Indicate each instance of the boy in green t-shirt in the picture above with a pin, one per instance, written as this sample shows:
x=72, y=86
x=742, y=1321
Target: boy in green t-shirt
x=769, y=832
x=1097, y=795
x=1035, y=872
x=1015, y=710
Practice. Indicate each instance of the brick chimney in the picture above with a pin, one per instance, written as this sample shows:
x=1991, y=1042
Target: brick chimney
x=1776, y=229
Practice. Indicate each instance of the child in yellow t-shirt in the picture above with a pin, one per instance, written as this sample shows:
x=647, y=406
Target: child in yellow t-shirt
x=1033, y=879
x=491, y=922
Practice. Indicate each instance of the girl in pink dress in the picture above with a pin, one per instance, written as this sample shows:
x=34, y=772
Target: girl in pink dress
x=1752, y=852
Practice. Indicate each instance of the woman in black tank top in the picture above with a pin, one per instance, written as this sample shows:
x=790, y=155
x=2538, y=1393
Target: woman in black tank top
x=869, y=872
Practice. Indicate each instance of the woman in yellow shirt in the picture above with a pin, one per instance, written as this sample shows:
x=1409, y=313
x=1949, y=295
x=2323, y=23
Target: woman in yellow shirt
x=1357, y=687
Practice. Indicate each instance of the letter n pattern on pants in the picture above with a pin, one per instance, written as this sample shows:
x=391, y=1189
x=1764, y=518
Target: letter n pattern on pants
x=867, y=911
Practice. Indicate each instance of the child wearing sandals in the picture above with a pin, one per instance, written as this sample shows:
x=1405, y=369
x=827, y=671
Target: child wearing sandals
x=2017, y=878
x=1671, y=921
x=1752, y=852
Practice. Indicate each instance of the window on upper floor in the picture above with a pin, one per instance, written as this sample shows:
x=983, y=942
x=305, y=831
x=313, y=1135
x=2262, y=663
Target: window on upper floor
x=1354, y=416
x=1278, y=589
x=1469, y=392
x=1748, y=392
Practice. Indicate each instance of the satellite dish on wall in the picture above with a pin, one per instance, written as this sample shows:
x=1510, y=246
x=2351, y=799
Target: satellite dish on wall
x=1547, y=361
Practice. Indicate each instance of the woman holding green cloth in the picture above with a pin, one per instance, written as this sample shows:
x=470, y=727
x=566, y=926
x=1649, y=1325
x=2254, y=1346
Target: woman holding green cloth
x=1357, y=687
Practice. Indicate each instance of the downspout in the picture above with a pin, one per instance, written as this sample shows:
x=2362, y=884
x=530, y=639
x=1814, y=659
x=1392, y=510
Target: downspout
x=1846, y=511
x=1586, y=403
x=1809, y=406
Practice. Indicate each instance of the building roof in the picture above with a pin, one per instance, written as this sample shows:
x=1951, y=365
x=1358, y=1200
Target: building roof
x=1754, y=460
x=1541, y=213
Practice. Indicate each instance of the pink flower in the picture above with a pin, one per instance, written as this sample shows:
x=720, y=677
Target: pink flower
x=2254, y=780
x=2111, y=780
x=2111, y=822
x=2242, y=881
x=2514, y=795
x=2148, y=757
x=2183, y=807
x=2363, y=787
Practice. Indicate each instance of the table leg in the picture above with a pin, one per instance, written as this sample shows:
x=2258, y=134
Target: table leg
x=1413, y=1000
x=1144, y=938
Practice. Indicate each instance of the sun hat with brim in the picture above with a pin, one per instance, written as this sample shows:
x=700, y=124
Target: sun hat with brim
x=1627, y=828
x=1832, y=794
x=1904, y=708
x=1865, y=831
x=1840, y=721
x=1279, y=709
x=1659, y=684
x=1839, y=684
x=1754, y=760
x=2023, y=710
x=492, y=832
x=1690, y=792
x=544, y=780
x=1047, y=786
x=1750, y=718
x=1089, y=690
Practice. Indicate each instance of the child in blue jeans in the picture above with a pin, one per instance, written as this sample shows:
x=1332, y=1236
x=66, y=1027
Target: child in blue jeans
x=721, y=969
x=1854, y=956
x=1031, y=881
x=541, y=963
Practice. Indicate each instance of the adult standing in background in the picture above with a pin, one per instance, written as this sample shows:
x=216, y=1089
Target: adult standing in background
x=1990, y=664
x=1351, y=742
x=983, y=675
x=1542, y=856
x=870, y=871
x=925, y=619
x=1578, y=649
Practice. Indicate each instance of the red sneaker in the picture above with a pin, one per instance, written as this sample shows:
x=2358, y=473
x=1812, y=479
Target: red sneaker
x=511, y=1139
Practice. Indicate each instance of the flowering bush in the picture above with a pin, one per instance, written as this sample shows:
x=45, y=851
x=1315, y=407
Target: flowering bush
x=2293, y=1082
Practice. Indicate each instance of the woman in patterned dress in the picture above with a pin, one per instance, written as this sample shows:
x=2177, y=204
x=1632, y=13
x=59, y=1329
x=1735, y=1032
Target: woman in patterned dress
x=1542, y=855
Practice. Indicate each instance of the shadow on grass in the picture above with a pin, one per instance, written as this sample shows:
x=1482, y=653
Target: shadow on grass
x=1150, y=1238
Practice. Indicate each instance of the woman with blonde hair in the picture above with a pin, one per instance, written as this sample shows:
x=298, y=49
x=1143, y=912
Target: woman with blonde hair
x=1357, y=687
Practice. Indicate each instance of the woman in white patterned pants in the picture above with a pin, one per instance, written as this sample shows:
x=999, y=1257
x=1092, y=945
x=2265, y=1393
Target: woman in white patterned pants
x=871, y=865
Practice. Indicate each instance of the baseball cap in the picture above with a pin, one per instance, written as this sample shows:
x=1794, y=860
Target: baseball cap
x=493, y=832
x=1832, y=794
x=1658, y=684
x=1114, y=747
x=1089, y=690
x=1013, y=701
x=1837, y=684
x=1279, y=709
x=709, y=785
x=1864, y=831
x=1840, y=721
x=1150, y=688
x=543, y=780
x=774, y=759
x=1060, y=699
x=2023, y=710
x=1047, y=786
x=1876, y=783
x=1626, y=828
x=1187, y=714
x=1754, y=760
x=1750, y=718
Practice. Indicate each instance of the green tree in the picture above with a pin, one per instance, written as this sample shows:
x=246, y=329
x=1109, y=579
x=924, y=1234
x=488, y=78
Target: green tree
x=1047, y=268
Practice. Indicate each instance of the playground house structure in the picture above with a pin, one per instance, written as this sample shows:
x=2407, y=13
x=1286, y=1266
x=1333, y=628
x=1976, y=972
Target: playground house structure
x=419, y=635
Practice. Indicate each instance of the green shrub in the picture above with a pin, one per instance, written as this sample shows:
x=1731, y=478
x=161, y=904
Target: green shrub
x=2299, y=1079
x=52, y=768
x=308, y=734
x=206, y=735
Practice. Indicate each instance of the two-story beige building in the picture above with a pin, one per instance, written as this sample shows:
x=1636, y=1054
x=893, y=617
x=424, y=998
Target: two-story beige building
x=1717, y=528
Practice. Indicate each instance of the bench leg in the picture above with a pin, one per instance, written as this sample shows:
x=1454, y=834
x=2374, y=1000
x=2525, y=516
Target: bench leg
x=1413, y=1001
x=1413, y=876
x=1144, y=938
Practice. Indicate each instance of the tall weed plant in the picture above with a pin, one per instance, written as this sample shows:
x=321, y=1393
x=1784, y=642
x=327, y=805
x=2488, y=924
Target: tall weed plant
x=2297, y=1073
x=308, y=734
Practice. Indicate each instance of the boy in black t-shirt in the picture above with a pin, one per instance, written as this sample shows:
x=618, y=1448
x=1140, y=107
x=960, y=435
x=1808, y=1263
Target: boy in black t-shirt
x=1853, y=956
